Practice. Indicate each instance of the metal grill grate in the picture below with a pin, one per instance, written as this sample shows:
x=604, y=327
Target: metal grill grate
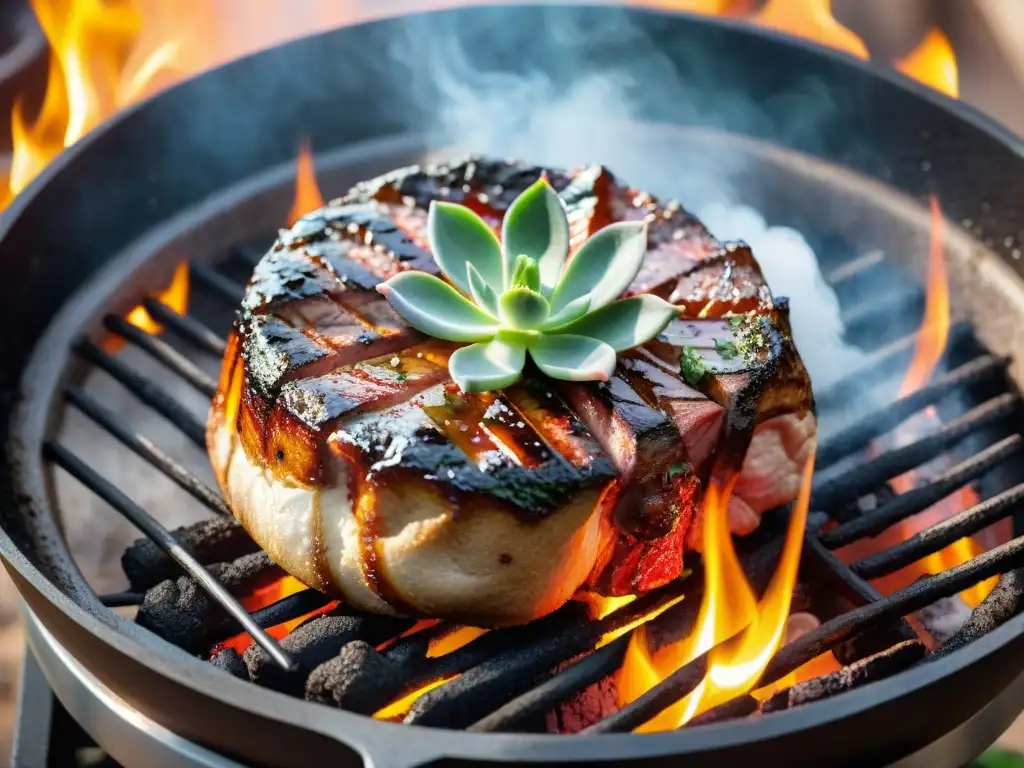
x=504, y=679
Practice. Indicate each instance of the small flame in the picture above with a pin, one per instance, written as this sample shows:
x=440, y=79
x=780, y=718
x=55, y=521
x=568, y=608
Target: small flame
x=811, y=20
x=307, y=191
x=453, y=641
x=741, y=633
x=933, y=63
x=174, y=296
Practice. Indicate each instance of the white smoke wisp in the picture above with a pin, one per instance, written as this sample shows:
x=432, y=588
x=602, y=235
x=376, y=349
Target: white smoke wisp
x=598, y=115
x=791, y=268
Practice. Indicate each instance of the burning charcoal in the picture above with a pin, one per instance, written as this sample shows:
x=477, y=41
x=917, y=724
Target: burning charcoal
x=230, y=662
x=316, y=641
x=358, y=680
x=182, y=614
x=944, y=618
x=879, y=666
x=593, y=703
x=218, y=540
x=1004, y=602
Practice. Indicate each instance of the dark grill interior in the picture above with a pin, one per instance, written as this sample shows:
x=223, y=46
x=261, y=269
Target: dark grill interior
x=507, y=680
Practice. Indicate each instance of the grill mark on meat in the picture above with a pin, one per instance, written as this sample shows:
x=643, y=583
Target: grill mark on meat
x=727, y=281
x=315, y=289
x=554, y=422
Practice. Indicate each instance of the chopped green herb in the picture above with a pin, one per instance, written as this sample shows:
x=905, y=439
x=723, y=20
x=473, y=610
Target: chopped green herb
x=678, y=469
x=402, y=376
x=737, y=320
x=727, y=349
x=691, y=365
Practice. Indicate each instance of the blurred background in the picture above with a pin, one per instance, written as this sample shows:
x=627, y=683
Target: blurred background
x=67, y=65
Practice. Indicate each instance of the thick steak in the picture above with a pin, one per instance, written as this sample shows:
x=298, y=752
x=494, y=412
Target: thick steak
x=347, y=452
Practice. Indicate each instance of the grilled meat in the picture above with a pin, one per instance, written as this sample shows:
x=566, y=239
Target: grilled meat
x=347, y=452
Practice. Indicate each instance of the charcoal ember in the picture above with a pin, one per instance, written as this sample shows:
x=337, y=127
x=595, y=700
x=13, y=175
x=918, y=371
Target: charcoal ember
x=881, y=665
x=315, y=641
x=358, y=680
x=229, y=661
x=183, y=614
x=218, y=540
x=944, y=618
x=595, y=702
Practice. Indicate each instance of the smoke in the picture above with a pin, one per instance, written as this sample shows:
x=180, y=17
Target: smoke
x=595, y=88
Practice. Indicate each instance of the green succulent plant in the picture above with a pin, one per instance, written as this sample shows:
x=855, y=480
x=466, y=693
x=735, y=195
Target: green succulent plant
x=523, y=295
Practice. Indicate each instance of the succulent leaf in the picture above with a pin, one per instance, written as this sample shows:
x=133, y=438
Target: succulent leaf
x=573, y=358
x=432, y=306
x=525, y=273
x=481, y=292
x=483, y=367
x=459, y=237
x=604, y=266
x=536, y=225
x=572, y=311
x=523, y=309
x=626, y=323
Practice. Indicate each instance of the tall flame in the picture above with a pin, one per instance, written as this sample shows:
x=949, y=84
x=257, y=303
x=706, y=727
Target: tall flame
x=741, y=633
x=931, y=345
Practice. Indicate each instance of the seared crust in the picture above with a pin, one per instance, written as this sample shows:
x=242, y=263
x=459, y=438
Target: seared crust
x=348, y=454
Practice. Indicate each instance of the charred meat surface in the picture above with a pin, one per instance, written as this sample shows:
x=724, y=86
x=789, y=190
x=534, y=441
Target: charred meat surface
x=346, y=451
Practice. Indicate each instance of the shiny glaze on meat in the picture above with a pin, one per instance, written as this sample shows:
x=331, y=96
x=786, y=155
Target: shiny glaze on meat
x=315, y=347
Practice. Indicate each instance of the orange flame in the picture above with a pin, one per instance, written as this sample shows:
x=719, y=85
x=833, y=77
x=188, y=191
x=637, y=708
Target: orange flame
x=96, y=68
x=174, y=296
x=741, y=633
x=307, y=191
x=267, y=595
x=931, y=345
x=811, y=20
x=934, y=333
x=933, y=63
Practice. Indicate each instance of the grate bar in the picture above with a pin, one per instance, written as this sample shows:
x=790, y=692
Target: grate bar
x=887, y=360
x=186, y=327
x=919, y=499
x=163, y=538
x=826, y=636
x=860, y=434
x=217, y=283
x=571, y=680
x=936, y=537
x=918, y=595
x=854, y=267
x=163, y=353
x=148, y=392
x=142, y=447
x=865, y=477
x=876, y=315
